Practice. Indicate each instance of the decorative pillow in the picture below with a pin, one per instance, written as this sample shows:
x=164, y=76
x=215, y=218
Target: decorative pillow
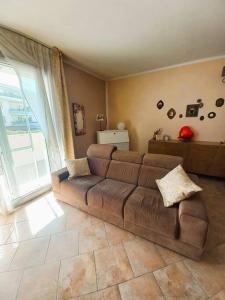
x=176, y=186
x=77, y=167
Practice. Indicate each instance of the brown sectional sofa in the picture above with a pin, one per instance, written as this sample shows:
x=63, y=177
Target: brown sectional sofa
x=122, y=190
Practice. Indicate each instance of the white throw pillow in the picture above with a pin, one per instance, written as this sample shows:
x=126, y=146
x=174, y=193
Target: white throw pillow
x=77, y=167
x=176, y=186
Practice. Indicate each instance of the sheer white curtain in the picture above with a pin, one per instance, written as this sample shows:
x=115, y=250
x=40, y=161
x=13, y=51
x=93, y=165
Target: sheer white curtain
x=31, y=61
x=32, y=64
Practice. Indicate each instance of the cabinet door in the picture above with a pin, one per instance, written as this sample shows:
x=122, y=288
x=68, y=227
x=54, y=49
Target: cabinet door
x=110, y=137
x=218, y=166
x=169, y=148
x=201, y=157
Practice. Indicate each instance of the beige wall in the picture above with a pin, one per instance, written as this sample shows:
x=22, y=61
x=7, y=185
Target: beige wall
x=133, y=100
x=89, y=91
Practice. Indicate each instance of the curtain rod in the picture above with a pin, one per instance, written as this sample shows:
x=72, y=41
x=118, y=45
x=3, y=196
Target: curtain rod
x=25, y=35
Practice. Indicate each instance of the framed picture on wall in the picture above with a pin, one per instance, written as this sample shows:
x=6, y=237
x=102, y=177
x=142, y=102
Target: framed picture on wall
x=79, y=119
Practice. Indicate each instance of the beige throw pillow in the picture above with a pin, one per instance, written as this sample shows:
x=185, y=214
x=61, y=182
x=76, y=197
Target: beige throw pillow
x=77, y=167
x=176, y=186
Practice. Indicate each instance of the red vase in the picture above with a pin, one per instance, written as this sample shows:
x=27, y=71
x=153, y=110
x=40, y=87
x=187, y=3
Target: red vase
x=186, y=133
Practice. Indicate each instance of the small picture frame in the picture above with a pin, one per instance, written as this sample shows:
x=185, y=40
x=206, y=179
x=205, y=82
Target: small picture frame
x=166, y=138
x=192, y=110
x=79, y=119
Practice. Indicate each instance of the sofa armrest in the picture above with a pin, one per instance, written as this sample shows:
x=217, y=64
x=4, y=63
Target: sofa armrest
x=57, y=177
x=193, y=221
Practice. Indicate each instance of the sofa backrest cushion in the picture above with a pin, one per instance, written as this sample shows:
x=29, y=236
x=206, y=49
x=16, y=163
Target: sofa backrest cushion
x=156, y=166
x=99, y=157
x=98, y=166
x=162, y=161
x=123, y=171
x=128, y=156
x=125, y=166
x=148, y=176
x=100, y=151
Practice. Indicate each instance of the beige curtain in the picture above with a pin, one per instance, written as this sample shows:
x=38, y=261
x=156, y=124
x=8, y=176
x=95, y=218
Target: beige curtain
x=63, y=102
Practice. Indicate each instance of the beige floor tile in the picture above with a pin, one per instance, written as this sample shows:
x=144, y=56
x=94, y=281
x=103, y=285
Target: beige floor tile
x=111, y=293
x=209, y=273
x=92, y=237
x=63, y=245
x=5, y=231
x=77, y=276
x=6, y=255
x=141, y=288
x=219, y=296
x=75, y=218
x=30, y=253
x=54, y=226
x=112, y=266
x=116, y=235
x=176, y=281
x=19, y=215
x=169, y=256
x=21, y=231
x=39, y=282
x=219, y=253
x=143, y=256
x=9, y=283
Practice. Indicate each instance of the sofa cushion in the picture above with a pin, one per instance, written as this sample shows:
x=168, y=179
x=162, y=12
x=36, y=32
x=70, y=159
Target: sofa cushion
x=123, y=171
x=100, y=151
x=76, y=189
x=145, y=208
x=110, y=195
x=77, y=167
x=162, y=161
x=98, y=166
x=127, y=156
x=148, y=175
x=176, y=186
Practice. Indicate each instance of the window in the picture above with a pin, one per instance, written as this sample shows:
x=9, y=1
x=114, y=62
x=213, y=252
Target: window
x=24, y=160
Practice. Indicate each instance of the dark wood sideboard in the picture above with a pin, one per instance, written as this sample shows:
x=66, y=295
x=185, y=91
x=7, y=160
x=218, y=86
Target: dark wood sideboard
x=206, y=158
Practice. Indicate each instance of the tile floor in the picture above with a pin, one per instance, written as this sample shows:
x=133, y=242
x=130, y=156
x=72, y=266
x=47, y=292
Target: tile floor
x=50, y=250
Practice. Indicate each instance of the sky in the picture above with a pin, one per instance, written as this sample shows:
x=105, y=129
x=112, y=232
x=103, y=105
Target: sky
x=8, y=76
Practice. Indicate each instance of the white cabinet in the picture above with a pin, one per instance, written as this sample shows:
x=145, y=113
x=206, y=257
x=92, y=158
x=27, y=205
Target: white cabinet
x=119, y=138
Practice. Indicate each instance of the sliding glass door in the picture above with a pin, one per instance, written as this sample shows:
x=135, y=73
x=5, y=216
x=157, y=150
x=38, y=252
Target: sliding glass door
x=24, y=165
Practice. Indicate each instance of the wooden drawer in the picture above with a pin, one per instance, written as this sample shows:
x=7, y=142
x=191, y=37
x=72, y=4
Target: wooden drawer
x=112, y=136
x=200, y=158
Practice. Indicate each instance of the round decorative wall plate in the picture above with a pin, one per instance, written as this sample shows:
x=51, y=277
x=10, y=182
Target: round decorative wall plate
x=160, y=104
x=211, y=115
x=219, y=102
x=171, y=113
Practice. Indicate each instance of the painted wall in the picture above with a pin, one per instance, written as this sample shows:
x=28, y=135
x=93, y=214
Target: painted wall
x=133, y=100
x=89, y=91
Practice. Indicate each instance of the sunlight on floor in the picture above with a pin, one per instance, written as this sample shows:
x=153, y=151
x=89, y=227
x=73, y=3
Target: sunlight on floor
x=42, y=212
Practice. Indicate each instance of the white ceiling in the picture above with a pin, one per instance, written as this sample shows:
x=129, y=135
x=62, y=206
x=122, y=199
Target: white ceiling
x=120, y=37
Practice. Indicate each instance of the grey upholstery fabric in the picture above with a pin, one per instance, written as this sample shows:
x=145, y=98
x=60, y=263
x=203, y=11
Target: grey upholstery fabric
x=145, y=208
x=100, y=151
x=98, y=166
x=76, y=189
x=148, y=175
x=128, y=156
x=123, y=171
x=162, y=160
x=58, y=177
x=110, y=195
